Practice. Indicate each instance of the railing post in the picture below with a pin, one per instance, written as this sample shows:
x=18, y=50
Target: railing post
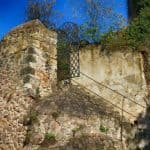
x=121, y=131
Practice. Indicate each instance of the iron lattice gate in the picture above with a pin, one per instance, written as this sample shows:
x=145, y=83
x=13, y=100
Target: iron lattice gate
x=74, y=64
x=68, y=55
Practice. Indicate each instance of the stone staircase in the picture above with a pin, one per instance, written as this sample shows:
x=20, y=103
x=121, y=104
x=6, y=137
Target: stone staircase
x=77, y=120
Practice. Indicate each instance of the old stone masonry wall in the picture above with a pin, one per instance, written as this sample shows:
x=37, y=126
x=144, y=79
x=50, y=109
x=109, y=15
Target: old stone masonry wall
x=14, y=105
x=26, y=72
x=32, y=45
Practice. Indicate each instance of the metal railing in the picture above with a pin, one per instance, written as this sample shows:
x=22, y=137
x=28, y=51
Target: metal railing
x=111, y=89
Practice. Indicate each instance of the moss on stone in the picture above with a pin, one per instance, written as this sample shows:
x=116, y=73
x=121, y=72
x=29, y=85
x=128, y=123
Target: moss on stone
x=103, y=129
x=49, y=139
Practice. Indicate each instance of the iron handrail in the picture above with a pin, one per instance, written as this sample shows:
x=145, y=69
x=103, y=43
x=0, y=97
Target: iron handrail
x=103, y=98
x=111, y=89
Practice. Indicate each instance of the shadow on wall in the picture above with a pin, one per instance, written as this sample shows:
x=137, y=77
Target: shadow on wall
x=142, y=135
x=86, y=142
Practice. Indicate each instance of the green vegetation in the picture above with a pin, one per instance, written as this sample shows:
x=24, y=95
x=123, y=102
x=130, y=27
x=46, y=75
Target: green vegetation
x=77, y=129
x=29, y=121
x=63, y=56
x=103, y=129
x=50, y=137
x=28, y=137
x=91, y=34
x=140, y=4
x=95, y=12
x=135, y=36
x=37, y=92
x=33, y=116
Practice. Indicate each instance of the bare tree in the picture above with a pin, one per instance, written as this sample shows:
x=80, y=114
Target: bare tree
x=100, y=16
x=42, y=10
x=95, y=10
x=71, y=31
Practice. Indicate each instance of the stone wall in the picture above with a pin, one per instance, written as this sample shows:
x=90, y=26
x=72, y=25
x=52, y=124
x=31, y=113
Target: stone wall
x=27, y=72
x=119, y=78
x=14, y=105
x=33, y=46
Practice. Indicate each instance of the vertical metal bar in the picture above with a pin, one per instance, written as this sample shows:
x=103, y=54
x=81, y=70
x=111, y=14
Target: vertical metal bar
x=121, y=132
